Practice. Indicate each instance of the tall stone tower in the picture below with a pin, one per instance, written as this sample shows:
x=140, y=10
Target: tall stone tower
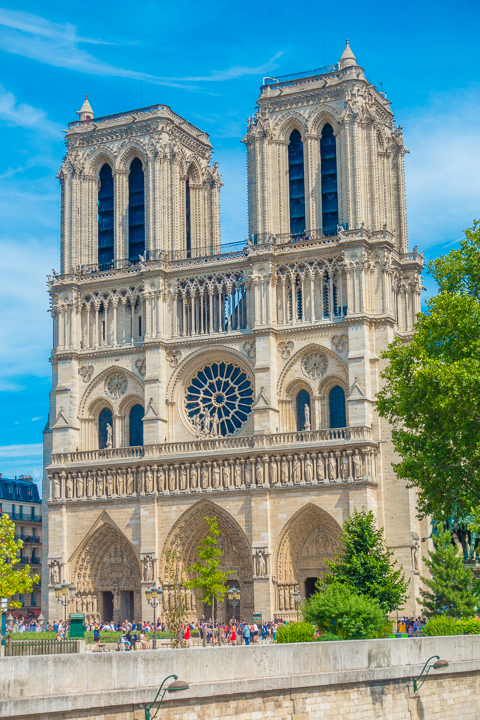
x=189, y=381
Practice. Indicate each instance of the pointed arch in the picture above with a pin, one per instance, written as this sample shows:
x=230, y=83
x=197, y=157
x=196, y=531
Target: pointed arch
x=106, y=192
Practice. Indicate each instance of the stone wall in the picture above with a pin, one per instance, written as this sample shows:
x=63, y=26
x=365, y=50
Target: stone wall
x=347, y=680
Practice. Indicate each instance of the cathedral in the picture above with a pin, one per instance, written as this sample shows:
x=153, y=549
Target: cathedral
x=190, y=379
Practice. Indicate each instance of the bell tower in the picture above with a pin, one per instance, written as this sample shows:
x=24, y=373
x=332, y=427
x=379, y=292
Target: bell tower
x=323, y=151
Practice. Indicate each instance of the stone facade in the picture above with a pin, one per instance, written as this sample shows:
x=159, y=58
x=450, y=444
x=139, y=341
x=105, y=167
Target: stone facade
x=256, y=370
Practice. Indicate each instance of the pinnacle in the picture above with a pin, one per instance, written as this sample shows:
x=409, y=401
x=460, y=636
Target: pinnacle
x=348, y=58
x=86, y=111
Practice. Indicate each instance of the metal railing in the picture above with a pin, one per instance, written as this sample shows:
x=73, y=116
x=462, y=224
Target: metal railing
x=296, y=76
x=40, y=647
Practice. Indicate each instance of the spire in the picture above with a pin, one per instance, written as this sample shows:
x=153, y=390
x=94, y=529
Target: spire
x=86, y=112
x=348, y=58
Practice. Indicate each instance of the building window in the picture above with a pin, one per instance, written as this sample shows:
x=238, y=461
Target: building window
x=296, y=183
x=336, y=400
x=136, y=425
x=328, y=154
x=105, y=418
x=32, y=512
x=136, y=211
x=10, y=491
x=17, y=491
x=30, y=494
x=187, y=219
x=105, y=218
x=303, y=410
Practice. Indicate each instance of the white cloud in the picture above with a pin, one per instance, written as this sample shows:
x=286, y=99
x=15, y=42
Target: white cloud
x=26, y=116
x=21, y=451
x=55, y=44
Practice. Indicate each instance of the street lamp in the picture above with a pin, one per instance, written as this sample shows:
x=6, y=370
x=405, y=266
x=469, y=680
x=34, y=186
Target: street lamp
x=154, y=598
x=173, y=687
x=233, y=595
x=297, y=596
x=65, y=594
x=438, y=665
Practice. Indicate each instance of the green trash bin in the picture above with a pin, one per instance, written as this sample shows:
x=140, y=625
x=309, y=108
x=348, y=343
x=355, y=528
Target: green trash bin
x=77, y=628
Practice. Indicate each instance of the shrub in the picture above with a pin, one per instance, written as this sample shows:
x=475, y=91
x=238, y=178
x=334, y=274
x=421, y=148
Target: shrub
x=339, y=610
x=296, y=632
x=470, y=626
x=443, y=625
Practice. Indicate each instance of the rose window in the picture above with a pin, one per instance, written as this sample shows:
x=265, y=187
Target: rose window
x=116, y=385
x=315, y=365
x=219, y=400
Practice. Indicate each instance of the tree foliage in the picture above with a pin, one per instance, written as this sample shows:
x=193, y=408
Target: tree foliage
x=347, y=614
x=432, y=387
x=449, y=590
x=12, y=581
x=365, y=563
x=209, y=579
x=295, y=632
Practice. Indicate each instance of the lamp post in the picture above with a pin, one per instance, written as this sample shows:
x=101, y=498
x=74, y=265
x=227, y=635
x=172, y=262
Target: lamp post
x=233, y=595
x=297, y=596
x=154, y=598
x=65, y=594
x=173, y=687
x=438, y=665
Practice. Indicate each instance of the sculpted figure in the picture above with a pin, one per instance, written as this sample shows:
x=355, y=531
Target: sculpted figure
x=307, y=417
x=215, y=476
x=297, y=470
x=332, y=467
x=309, y=469
x=54, y=573
x=344, y=467
x=357, y=465
x=100, y=483
x=261, y=564
x=238, y=474
x=320, y=468
x=141, y=481
x=148, y=568
x=89, y=484
x=248, y=473
x=171, y=478
x=207, y=420
x=197, y=424
x=161, y=478
x=109, y=436
x=130, y=481
x=285, y=471
x=214, y=430
x=204, y=477
x=110, y=482
x=120, y=482
x=149, y=480
x=80, y=485
x=193, y=476
x=69, y=487
x=183, y=477
x=281, y=598
x=259, y=472
x=226, y=474
x=273, y=471
x=56, y=487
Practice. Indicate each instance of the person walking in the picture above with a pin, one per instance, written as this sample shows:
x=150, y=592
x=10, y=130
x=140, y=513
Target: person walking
x=233, y=635
x=187, y=636
x=247, y=634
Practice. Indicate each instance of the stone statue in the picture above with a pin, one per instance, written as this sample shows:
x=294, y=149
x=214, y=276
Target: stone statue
x=171, y=478
x=215, y=476
x=273, y=471
x=183, y=477
x=207, y=421
x=100, y=483
x=56, y=487
x=141, y=481
x=261, y=564
x=308, y=469
x=357, y=465
x=285, y=471
x=344, y=467
x=110, y=483
x=54, y=572
x=332, y=467
x=238, y=474
x=248, y=473
x=69, y=487
x=130, y=481
x=415, y=566
x=226, y=474
x=320, y=468
x=149, y=480
x=259, y=472
x=306, y=425
x=120, y=482
x=109, y=436
x=297, y=470
x=193, y=476
x=80, y=485
x=89, y=484
x=161, y=478
x=204, y=477
x=148, y=564
x=197, y=424
x=214, y=430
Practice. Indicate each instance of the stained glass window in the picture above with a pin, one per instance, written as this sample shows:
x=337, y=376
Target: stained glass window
x=105, y=218
x=338, y=415
x=105, y=418
x=136, y=211
x=328, y=153
x=136, y=425
x=296, y=176
x=303, y=398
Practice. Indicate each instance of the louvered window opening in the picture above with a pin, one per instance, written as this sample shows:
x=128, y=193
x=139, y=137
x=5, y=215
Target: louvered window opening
x=296, y=176
x=136, y=211
x=328, y=154
x=105, y=218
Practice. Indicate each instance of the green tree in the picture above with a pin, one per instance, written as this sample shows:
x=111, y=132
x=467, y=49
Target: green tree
x=209, y=579
x=432, y=387
x=12, y=581
x=176, y=615
x=347, y=614
x=449, y=590
x=365, y=564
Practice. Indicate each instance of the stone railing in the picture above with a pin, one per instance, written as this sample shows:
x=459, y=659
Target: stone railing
x=340, y=460
x=204, y=445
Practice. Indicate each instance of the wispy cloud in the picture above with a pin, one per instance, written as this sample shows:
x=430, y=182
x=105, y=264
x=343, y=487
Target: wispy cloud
x=25, y=116
x=19, y=451
x=57, y=44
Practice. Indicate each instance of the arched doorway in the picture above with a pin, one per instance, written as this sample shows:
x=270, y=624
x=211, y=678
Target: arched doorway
x=107, y=577
x=184, y=539
x=308, y=538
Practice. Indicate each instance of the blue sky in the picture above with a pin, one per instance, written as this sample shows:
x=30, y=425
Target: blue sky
x=206, y=60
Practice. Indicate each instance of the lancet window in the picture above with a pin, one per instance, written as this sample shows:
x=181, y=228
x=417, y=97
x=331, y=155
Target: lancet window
x=336, y=402
x=303, y=410
x=188, y=228
x=136, y=211
x=310, y=292
x=328, y=154
x=296, y=178
x=210, y=305
x=136, y=425
x=105, y=218
x=105, y=426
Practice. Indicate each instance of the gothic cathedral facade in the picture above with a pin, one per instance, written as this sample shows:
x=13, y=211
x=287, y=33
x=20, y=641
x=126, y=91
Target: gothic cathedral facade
x=190, y=381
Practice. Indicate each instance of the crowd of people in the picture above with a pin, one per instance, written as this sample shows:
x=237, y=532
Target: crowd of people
x=411, y=626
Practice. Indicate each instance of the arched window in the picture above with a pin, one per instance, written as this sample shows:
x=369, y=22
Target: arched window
x=136, y=211
x=328, y=153
x=105, y=418
x=105, y=218
x=304, y=421
x=336, y=401
x=296, y=182
x=187, y=219
x=136, y=425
